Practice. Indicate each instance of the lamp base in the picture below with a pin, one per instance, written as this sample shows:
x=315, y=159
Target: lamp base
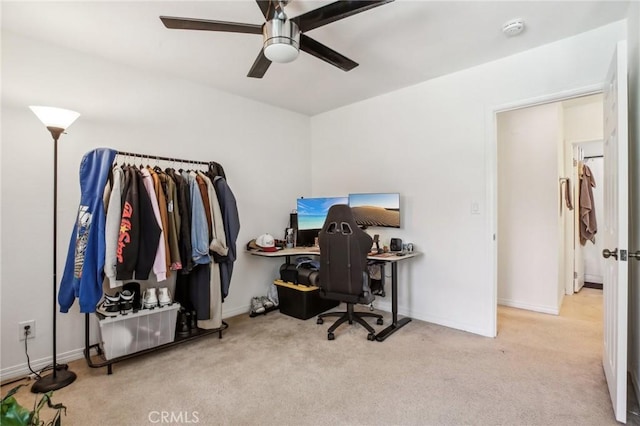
x=60, y=379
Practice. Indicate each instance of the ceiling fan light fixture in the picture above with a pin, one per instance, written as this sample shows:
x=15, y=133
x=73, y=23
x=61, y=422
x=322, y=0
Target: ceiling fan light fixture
x=281, y=40
x=281, y=52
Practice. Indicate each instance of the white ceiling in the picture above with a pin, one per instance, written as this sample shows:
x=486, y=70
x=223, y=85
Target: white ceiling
x=397, y=45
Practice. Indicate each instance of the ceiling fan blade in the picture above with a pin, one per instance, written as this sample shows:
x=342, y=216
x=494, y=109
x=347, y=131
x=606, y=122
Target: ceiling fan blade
x=321, y=51
x=260, y=66
x=207, y=25
x=265, y=7
x=334, y=12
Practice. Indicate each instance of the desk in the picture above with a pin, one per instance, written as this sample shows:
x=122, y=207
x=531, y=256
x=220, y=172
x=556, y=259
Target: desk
x=391, y=258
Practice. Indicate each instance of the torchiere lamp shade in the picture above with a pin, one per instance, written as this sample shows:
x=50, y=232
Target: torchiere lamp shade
x=55, y=117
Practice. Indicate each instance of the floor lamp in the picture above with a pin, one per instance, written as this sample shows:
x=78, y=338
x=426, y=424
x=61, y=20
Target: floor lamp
x=56, y=120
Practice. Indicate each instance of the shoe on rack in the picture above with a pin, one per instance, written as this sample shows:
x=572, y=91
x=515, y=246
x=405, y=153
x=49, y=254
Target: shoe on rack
x=256, y=306
x=134, y=287
x=266, y=302
x=126, y=301
x=149, y=298
x=110, y=305
x=164, y=297
x=193, y=325
x=183, y=323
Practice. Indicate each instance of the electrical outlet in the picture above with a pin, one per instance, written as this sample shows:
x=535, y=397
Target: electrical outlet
x=31, y=332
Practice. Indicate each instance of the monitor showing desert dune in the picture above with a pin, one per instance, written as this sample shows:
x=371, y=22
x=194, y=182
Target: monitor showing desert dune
x=376, y=209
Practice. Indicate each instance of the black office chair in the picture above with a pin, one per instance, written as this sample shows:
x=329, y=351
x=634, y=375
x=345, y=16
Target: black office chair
x=344, y=274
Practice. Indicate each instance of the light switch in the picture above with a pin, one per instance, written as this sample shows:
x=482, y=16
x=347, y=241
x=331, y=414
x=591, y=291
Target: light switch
x=475, y=207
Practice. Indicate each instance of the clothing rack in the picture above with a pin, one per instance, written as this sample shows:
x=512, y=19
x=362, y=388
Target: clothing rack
x=98, y=360
x=157, y=157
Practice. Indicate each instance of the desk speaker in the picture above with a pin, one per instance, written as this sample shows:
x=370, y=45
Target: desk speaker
x=396, y=244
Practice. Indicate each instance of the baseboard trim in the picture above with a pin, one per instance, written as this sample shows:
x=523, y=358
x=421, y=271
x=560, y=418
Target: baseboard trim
x=597, y=286
x=22, y=370
x=421, y=316
x=529, y=307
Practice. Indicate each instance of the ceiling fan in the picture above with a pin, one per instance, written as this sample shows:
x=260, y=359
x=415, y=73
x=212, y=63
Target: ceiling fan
x=284, y=37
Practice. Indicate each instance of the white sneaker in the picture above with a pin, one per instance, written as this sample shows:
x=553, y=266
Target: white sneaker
x=164, y=297
x=256, y=306
x=149, y=298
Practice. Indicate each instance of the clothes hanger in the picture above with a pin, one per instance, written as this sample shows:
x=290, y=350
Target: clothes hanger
x=157, y=167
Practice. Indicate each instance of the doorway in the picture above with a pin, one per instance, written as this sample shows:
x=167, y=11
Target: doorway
x=539, y=256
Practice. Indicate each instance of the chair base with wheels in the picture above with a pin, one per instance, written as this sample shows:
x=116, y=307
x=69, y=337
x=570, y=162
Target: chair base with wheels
x=351, y=316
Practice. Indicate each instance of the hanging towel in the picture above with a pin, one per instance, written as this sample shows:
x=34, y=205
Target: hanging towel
x=588, y=224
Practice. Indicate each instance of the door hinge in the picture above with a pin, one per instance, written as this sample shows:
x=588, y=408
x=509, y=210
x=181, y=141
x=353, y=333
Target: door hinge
x=623, y=255
x=575, y=275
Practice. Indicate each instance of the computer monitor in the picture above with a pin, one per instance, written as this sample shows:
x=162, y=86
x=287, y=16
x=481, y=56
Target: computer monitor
x=378, y=209
x=312, y=213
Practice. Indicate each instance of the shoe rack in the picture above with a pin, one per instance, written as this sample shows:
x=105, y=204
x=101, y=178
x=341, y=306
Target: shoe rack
x=98, y=360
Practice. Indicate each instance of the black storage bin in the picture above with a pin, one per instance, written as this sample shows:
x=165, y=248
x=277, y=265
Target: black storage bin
x=300, y=301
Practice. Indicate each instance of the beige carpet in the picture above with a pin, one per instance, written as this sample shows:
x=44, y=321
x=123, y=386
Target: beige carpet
x=277, y=370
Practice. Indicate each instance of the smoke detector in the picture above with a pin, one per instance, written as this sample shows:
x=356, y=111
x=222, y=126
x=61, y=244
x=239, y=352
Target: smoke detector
x=513, y=27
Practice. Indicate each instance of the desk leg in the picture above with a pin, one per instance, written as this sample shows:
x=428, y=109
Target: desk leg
x=395, y=325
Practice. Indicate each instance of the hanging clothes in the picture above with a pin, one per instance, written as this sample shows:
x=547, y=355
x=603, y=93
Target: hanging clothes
x=173, y=219
x=199, y=227
x=157, y=220
x=161, y=200
x=215, y=169
x=155, y=244
x=588, y=224
x=112, y=227
x=82, y=276
x=206, y=203
x=231, y=222
x=184, y=231
x=218, y=240
x=129, y=232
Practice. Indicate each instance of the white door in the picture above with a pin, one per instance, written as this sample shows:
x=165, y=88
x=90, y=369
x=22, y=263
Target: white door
x=615, y=232
x=578, y=257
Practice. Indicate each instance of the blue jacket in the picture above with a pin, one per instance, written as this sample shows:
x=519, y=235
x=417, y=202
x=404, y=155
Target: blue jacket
x=83, y=269
x=199, y=226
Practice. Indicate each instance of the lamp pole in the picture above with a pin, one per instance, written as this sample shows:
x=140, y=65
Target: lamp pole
x=56, y=124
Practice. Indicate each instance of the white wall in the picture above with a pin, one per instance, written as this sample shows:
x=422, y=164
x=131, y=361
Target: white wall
x=434, y=143
x=583, y=122
x=634, y=170
x=136, y=111
x=528, y=211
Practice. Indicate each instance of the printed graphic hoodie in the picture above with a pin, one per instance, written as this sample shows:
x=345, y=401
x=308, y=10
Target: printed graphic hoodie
x=84, y=266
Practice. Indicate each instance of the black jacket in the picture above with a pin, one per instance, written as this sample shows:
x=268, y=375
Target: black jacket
x=149, y=232
x=129, y=237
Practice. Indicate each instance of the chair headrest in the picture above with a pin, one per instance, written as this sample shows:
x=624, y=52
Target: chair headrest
x=339, y=220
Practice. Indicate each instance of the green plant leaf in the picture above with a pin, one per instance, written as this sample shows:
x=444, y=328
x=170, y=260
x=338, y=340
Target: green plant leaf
x=14, y=414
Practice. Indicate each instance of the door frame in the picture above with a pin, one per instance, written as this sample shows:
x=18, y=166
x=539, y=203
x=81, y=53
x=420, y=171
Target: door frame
x=491, y=165
x=570, y=284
